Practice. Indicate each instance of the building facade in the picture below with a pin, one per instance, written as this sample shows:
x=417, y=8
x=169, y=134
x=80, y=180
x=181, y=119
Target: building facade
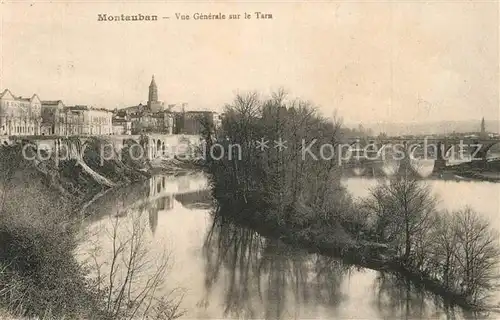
x=85, y=120
x=148, y=122
x=54, y=118
x=196, y=122
x=74, y=120
x=100, y=121
x=122, y=125
x=19, y=116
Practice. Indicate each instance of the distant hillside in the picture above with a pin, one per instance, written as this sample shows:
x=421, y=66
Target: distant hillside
x=439, y=127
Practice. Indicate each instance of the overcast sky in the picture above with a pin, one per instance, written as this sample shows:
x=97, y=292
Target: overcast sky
x=372, y=62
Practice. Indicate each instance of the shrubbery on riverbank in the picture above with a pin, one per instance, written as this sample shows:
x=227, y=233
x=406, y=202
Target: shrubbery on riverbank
x=39, y=274
x=300, y=199
x=458, y=251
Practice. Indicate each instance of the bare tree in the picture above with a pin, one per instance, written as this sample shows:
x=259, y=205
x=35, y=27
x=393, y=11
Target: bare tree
x=403, y=208
x=477, y=254
x=442, y=251
x=131, y=277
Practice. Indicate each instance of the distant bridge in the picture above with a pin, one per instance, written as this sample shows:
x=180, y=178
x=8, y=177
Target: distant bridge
x=439, y=150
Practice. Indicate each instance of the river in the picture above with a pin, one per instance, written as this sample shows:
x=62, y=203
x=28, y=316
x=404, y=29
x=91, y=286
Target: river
x=239, y=275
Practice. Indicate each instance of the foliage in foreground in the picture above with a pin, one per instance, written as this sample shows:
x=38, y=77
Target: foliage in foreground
x=40, y=276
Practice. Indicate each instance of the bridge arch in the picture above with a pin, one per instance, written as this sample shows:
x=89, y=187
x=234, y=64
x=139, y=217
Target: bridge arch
x=158, y=147
x=356, y=150
x=386, y=147
x=159, y=187
x=359, y=171
x=152, y=148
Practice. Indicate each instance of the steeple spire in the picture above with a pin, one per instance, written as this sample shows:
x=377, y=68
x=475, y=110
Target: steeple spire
x=483, y=127
x=153, y=92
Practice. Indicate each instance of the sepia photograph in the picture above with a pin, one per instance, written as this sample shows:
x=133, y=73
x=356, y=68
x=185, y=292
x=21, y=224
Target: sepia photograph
x=257, y=159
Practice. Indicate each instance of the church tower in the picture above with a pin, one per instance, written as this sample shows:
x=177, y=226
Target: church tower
x=483, y=128
x=153, y=93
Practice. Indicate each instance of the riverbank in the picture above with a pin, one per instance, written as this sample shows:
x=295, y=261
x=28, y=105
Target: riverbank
x=40, y=200
x=321, y=239
x=92, y=174
x=490, y=171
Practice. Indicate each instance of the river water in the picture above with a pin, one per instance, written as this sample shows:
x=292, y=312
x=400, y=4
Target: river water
x=239, y=275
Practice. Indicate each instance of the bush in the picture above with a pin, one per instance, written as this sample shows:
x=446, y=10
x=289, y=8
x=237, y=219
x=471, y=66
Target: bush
x=39, y=274
x=459, y=250
x=472, y=257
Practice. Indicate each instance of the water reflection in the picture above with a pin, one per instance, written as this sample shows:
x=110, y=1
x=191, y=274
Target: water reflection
x=266, y=278
x=149, y=198
x=398, y=296
x=230, y=271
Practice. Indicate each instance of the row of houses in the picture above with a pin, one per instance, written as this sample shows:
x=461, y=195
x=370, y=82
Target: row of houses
x=21, y=116
x=32, y=116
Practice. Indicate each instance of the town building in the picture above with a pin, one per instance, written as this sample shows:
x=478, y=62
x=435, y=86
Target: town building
x=75, y=120
x=19, y=116
x=54, y=118
x=85, y=120
x=100, y=121
x=122, y=124
x=148, y=122
x=195, y=122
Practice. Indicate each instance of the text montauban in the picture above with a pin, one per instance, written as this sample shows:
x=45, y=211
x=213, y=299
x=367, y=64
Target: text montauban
x=185, y=17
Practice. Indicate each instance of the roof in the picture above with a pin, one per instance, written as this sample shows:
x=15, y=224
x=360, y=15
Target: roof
x=19, y=98
x=78, y=107
x=133, y=108
x=201, y=111
x=87, y=108
x=101, y=109
x=4, y=92
x=51, y=102
x=117, y=120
